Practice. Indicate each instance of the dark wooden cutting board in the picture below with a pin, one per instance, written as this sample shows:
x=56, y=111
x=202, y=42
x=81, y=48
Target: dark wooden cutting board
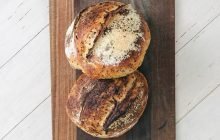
x=158, y=121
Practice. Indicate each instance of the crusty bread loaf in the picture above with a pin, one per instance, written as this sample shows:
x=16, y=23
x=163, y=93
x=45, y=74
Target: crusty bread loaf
x=107, y=40
x=107, y=107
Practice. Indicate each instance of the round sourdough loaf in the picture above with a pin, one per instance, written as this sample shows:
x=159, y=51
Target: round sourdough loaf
x=107, y=108
x=107, y=40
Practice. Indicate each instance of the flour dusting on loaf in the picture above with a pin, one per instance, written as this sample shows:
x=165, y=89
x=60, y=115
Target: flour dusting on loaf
x=119, y=37
x=70, y=49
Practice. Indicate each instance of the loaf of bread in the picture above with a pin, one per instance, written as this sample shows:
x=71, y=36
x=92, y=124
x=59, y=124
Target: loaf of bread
x=107, y=40
x=107, y=107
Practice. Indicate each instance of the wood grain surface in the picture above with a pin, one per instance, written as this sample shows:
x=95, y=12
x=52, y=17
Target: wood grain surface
x=158, y=121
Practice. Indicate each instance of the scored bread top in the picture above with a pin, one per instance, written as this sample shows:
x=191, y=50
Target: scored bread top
x=107, y=40
x=119, y=37
x=107, y=108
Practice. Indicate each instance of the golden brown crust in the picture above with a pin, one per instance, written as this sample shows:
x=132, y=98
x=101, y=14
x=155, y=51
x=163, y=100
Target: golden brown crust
x=107, y=108
x=90, y=28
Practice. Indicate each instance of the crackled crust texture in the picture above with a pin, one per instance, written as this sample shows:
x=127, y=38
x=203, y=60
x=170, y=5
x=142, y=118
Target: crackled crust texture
x=107, y=40
x=107, y=108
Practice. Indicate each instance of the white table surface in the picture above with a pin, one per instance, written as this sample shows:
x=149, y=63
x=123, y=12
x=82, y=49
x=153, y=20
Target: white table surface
x=25, y=97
